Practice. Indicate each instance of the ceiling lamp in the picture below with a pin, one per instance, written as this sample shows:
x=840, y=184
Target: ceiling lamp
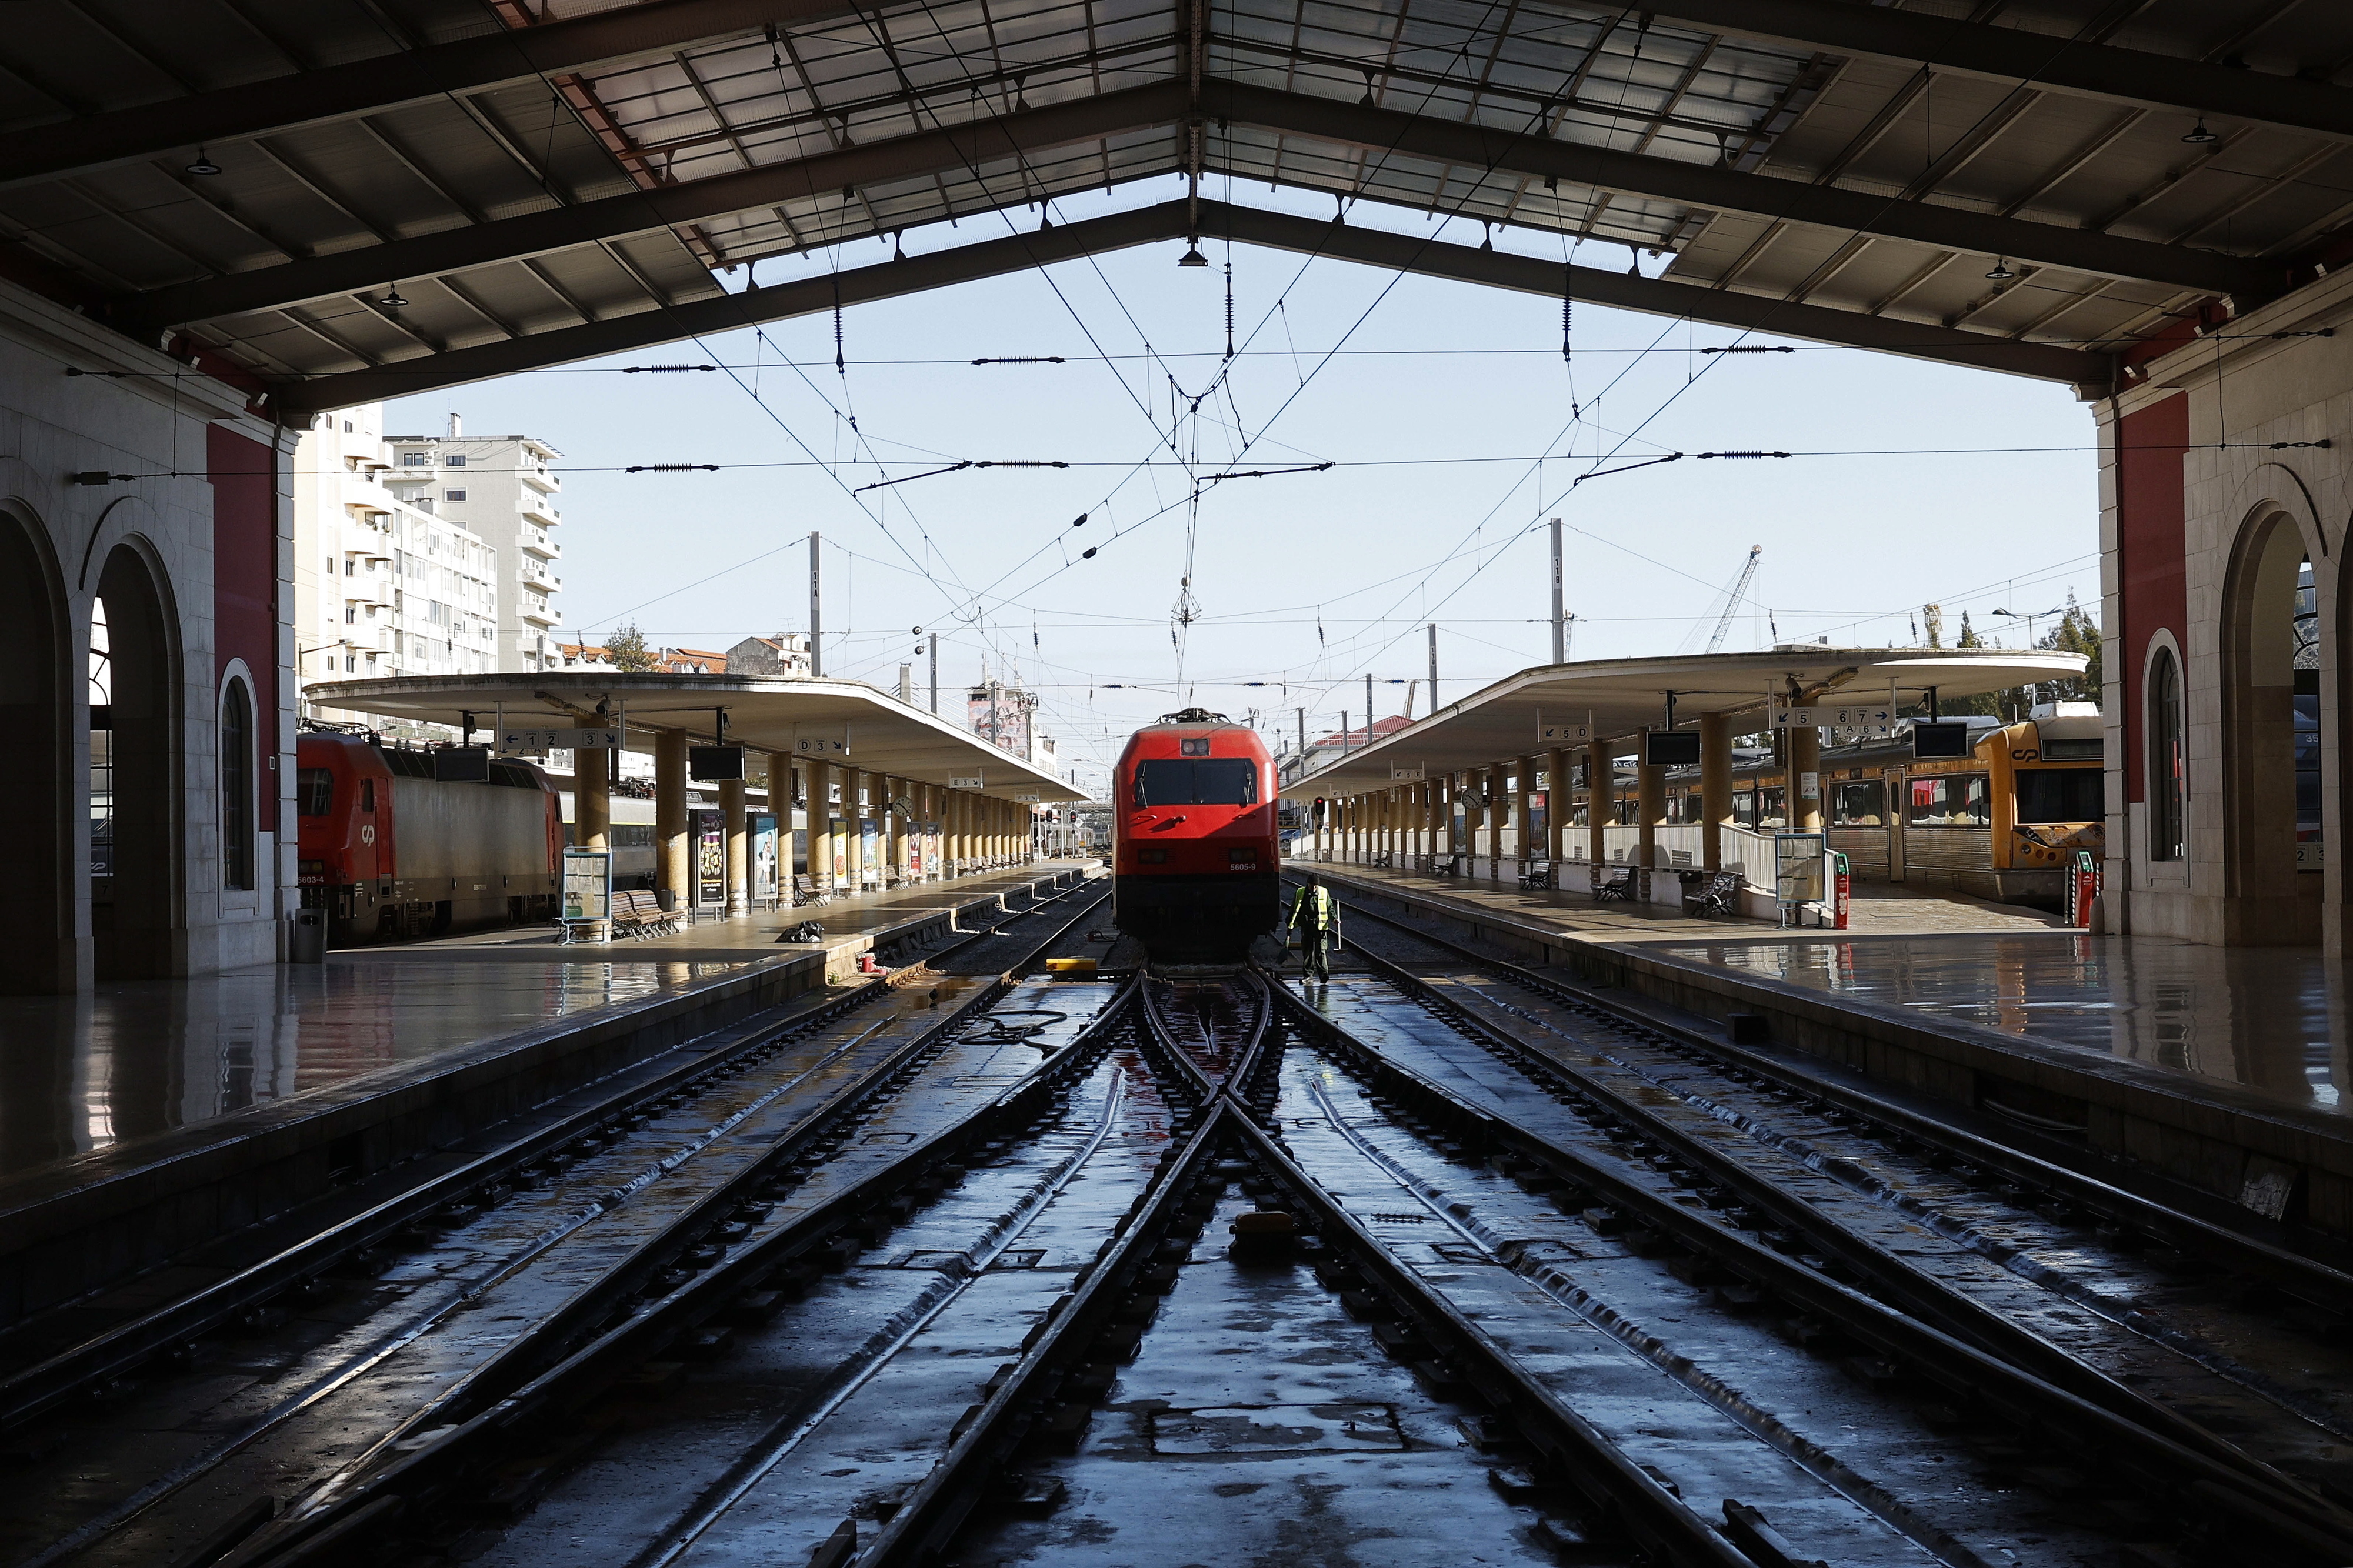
x=2002, y=271
x=392, y=299
x=204, y=165
x=1193, y=256
x=2199, y=136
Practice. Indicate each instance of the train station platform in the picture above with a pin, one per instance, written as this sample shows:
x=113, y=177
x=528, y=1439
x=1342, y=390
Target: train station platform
x=160, y=1111
x=2226, y=1070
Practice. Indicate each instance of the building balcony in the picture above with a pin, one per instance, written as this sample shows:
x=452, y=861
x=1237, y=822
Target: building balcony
x=535, y=611
x=535, y=542
x=540, y=480
x=536, y=574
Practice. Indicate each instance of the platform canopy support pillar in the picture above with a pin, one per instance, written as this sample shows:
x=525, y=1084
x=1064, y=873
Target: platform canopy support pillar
x=1555, y=805
x=739, y=847
x=674, y=865
x=1806, y=780
x=592, y=799
x=1523, y=828
x=1714, y=787
x=821, y=825
x=1600, y=803
x=1650, y=815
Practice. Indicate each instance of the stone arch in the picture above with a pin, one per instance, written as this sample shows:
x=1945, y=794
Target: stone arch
x=2267, y=902
x=39, y=952
x=136, y=881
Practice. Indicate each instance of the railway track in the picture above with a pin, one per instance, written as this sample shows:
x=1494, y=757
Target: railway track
x=357, y=1348
x=1203, y=1269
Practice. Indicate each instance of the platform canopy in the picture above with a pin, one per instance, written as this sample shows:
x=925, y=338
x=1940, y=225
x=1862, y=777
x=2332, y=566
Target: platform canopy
x=1623, y=697
x=342, y=203
x=875, y=731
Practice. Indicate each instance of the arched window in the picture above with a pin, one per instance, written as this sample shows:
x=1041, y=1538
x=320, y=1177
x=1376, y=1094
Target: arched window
x=236, y=787
x=2168, y=784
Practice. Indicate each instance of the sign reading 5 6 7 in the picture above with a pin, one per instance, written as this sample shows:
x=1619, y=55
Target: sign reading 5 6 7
x=1865, y=718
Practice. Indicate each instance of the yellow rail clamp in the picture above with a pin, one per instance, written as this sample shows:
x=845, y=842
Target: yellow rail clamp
x=1072, y=968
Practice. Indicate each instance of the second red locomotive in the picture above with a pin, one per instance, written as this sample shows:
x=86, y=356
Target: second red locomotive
x=1195, y=863
x=390, y=850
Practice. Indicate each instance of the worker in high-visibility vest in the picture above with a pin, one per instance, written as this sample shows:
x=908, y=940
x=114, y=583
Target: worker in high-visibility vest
x=1315, y=916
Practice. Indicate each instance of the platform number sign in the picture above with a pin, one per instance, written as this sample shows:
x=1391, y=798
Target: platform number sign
x=1406, y=772
x=1564, y=736
x=1855, y=718
x=975, y=781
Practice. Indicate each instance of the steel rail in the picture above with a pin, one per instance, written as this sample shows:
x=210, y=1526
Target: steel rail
x=1611, y=1481
x=1910, y=1289
x=498, y=1386
x=988, y=1435
x=2310, y=1279
x=120, y=1349
x=1629, y=1496
x=2251, y=1495
x=1015, y=916
x=123, y=1348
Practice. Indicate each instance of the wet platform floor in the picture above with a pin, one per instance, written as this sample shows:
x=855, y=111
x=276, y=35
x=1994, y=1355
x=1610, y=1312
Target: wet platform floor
x=134, y=1059
x=2272, y=1020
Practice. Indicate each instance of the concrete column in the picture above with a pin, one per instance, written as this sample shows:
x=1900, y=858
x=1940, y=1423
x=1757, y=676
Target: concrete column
x=739, y=847
x=1555, y=805
x=821, y=825
x=1492, y=787
x=1600, y=789
x=673, y=863
x=1714, y=787
x=900, y=829
x=1805, y=764
x=1523, y=781
x=1650, y=812
x=592, y=799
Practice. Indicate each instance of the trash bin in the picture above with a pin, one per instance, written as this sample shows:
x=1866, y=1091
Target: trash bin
x=307, y=943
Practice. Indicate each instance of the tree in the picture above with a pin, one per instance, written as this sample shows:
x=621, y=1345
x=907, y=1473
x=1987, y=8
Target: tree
x=2075, y=633
x=628, y=650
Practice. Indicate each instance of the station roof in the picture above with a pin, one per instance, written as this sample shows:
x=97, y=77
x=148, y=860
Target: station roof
x=774, y=714
x=2027, y=188
x=1622, y=697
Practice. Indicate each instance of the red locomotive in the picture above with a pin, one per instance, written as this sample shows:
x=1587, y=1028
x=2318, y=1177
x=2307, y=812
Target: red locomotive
x=1194, y=858
x=397, y=843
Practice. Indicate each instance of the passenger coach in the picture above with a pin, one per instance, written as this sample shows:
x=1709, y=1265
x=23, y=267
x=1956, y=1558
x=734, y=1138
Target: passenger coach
x=1193, y=860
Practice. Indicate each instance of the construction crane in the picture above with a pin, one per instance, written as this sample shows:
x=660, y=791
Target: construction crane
x=1739, y=592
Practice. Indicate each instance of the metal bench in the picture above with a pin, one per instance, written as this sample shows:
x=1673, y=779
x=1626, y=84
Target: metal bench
x=1536, y=876
x=807, y=891
x=1615, y=890
x=1720, y=897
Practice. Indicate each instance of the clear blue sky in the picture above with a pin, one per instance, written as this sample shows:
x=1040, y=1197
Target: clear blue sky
x=1436, y=414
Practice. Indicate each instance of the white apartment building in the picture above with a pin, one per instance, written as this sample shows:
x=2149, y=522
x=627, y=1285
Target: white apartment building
x=499, y=489
x=381, y=587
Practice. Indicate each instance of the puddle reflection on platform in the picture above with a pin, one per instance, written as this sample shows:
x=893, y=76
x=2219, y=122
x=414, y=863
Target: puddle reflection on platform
x=2270, y=1019
x=138, y=1057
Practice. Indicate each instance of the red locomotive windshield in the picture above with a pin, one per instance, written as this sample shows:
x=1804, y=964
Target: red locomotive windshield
x=1185, y=781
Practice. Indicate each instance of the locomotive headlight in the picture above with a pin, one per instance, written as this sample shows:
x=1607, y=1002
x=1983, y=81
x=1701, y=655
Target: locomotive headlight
x=1153, y=857
x=1242, y=856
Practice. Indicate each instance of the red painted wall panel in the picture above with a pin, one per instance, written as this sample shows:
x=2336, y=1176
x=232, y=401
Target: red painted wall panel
x=244, y=475
x=2151, y=520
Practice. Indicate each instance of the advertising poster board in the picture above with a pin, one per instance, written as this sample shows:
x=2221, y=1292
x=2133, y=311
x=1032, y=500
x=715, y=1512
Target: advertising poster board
x=708, y=831
x=870, y=852
x=587, y=884
x=762, y=826
x=840, y=830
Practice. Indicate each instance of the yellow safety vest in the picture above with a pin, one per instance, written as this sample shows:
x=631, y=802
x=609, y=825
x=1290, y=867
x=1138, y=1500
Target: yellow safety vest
x=1320, y=914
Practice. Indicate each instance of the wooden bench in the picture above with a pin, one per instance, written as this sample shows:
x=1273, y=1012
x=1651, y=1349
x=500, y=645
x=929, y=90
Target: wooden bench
x=1721, y=896
x=638, y=912
x=1617, y=889
x=1536, y=876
